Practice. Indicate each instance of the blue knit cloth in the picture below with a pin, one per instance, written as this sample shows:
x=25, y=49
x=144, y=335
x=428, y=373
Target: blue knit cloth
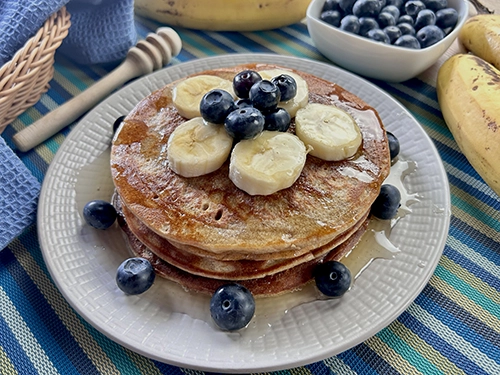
x=101, y=31
x=19, y=192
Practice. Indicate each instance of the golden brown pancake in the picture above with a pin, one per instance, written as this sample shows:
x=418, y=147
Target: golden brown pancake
x=279, y=283
x=210, y=213
x=242, y=269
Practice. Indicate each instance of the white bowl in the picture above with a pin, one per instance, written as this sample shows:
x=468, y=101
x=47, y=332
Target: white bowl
x=374, y=59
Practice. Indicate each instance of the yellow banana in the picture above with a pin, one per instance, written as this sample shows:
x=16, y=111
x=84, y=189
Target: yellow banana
x=481, y=36
x=224, y=15
x=468, y=90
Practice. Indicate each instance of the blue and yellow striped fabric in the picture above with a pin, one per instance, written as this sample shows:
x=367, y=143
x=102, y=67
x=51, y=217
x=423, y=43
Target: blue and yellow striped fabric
x=453, y=326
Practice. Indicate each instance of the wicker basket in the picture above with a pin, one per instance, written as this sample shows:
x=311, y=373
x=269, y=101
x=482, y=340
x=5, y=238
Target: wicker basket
x=26, y=77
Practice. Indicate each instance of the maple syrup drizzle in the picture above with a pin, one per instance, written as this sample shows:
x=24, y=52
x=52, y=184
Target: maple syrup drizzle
x=374, y=244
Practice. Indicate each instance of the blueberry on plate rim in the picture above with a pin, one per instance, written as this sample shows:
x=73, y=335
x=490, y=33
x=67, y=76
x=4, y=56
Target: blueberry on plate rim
x=117, y=123
x=135, y=276
x=394, y=146
x=232, y=306
x=332, y=278
x=387, y=203
x=99, y=214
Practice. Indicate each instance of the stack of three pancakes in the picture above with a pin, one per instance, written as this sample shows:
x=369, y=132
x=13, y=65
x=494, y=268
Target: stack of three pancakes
x=203, y=231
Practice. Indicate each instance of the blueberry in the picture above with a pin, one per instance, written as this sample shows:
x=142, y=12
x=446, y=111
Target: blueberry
x=278, y=120
x=99, y=214
x=243, y=81
x=366, y=24
x=386, y=19
x=406, y=19
x=387, y=203
x=332, y=278
x=331, y=17
x=331, y=5
x=382, y=3
x=393, y=32
x=378, y=35
x=232, y=306
x=135, y=276
x=435, y=5
x=447, y=17
x=408, y=41
x=425, y=17
x=350, y=24
x=117, y=123
x=412, y=7
x=287, y=86
x=392, y=9
x=265, y=95
x=346, y=5
x=242, y=103
x=397, y=3
x=393, y=145
x=429, y=35
x=406, y=29
x=366, y=8
x=244, y=123
x=216, y=105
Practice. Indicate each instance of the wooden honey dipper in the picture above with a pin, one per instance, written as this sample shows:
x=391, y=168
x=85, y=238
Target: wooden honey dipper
x=146, y=56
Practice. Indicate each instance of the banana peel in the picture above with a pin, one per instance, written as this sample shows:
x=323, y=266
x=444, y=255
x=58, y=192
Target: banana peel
x=468, y=90
x=481, y=36
x=224, y=15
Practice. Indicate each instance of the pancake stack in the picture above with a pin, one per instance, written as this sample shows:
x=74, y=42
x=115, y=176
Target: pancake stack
x=203, y=232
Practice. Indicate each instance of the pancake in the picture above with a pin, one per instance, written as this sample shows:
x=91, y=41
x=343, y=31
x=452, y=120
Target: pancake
x=237, y=270
x=279, y=283
x=210, y=213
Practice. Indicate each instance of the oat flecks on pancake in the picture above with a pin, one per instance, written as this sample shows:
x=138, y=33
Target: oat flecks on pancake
x=210, y=213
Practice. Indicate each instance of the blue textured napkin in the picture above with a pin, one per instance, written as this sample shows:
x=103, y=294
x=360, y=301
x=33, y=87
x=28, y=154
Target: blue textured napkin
x=19, y=191
x=101, y=31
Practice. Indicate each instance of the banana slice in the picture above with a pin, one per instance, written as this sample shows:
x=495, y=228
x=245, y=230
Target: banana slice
x=188, y=93
x=301, y=98
x=267, y=163
x=331, y=132
x=196, y=148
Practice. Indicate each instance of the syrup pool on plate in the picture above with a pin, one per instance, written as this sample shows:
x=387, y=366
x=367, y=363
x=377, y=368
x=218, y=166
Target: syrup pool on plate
x=375, y=244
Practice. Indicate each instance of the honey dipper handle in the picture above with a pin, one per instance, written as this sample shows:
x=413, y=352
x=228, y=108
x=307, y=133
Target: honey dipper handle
x=137, y=63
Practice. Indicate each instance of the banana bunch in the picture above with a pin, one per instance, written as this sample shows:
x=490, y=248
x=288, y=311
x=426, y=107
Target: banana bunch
x=468, y=90
x=224, y=15
x=272, y=160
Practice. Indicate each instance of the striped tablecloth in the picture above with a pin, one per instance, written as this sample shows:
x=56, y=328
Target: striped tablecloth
x=453, y=326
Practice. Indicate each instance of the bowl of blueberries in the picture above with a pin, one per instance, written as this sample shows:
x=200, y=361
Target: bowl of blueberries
x=390, y=40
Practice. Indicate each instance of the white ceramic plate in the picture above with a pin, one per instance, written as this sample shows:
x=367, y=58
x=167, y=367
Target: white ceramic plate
x=165, y=325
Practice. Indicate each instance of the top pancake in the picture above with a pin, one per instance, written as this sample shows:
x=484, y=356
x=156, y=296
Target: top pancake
x=211, y=213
